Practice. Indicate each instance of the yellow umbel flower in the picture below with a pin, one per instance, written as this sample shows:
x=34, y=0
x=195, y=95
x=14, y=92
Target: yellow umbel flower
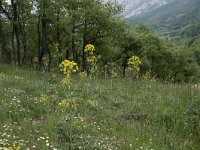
x=67, y=67
x=134, y=64
x=89, y=48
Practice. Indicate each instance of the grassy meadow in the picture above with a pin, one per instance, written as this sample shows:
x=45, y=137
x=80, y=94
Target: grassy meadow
x=38, y=113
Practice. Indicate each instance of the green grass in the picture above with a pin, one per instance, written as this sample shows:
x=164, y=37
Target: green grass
x=102, y=114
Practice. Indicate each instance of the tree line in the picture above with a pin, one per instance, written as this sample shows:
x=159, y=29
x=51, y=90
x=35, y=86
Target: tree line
x=60, y=29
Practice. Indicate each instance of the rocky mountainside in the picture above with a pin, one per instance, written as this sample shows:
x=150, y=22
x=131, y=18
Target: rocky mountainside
x=136, y=7
x=172, y=19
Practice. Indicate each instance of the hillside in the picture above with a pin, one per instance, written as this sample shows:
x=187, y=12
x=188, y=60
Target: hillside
x=36, y=112
x=75, y=75
x=137, y=7
x=171, y=19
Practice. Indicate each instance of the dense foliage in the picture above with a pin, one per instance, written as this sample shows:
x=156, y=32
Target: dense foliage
x=41, y=34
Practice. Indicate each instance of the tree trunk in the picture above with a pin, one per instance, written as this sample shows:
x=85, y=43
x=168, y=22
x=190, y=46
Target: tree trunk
x=74, y=53
x=1, y=35
x=44, y=44
x=24, y=39
x=124, y=69
x=18, y=45
x=39, y=35
x=83, y=49
x=13, y=45
x=16, y=28
x=67, y=54
x=45, y=52
x=58, y=37
x=73, y=45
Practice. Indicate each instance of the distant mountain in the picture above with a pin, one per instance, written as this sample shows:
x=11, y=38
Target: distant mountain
x=136, y=7
x=171, y=19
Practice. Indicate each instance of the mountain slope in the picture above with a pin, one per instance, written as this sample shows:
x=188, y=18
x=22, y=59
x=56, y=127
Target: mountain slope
x=169, y=20
x=136, y=7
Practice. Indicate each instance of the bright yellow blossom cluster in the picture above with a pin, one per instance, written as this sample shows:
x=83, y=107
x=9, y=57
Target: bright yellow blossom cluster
x=134, y=64
x=67, y=67
x=91, y=59
x=89, y=48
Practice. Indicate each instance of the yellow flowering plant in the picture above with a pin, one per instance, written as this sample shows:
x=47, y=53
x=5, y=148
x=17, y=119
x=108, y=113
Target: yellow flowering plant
x=67, y=67
x=89, y=48
x=134, y=64
x=91, y=59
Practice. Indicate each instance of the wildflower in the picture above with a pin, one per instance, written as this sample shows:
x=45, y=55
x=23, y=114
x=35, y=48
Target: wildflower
x=89, y=48
x=67, y=67
x=64, y=103
x=134, y=63
x=91, y=59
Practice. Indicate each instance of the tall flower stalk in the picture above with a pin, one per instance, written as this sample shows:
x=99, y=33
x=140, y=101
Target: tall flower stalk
x=91, y=59
x=67, y=68
x=134, y=64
